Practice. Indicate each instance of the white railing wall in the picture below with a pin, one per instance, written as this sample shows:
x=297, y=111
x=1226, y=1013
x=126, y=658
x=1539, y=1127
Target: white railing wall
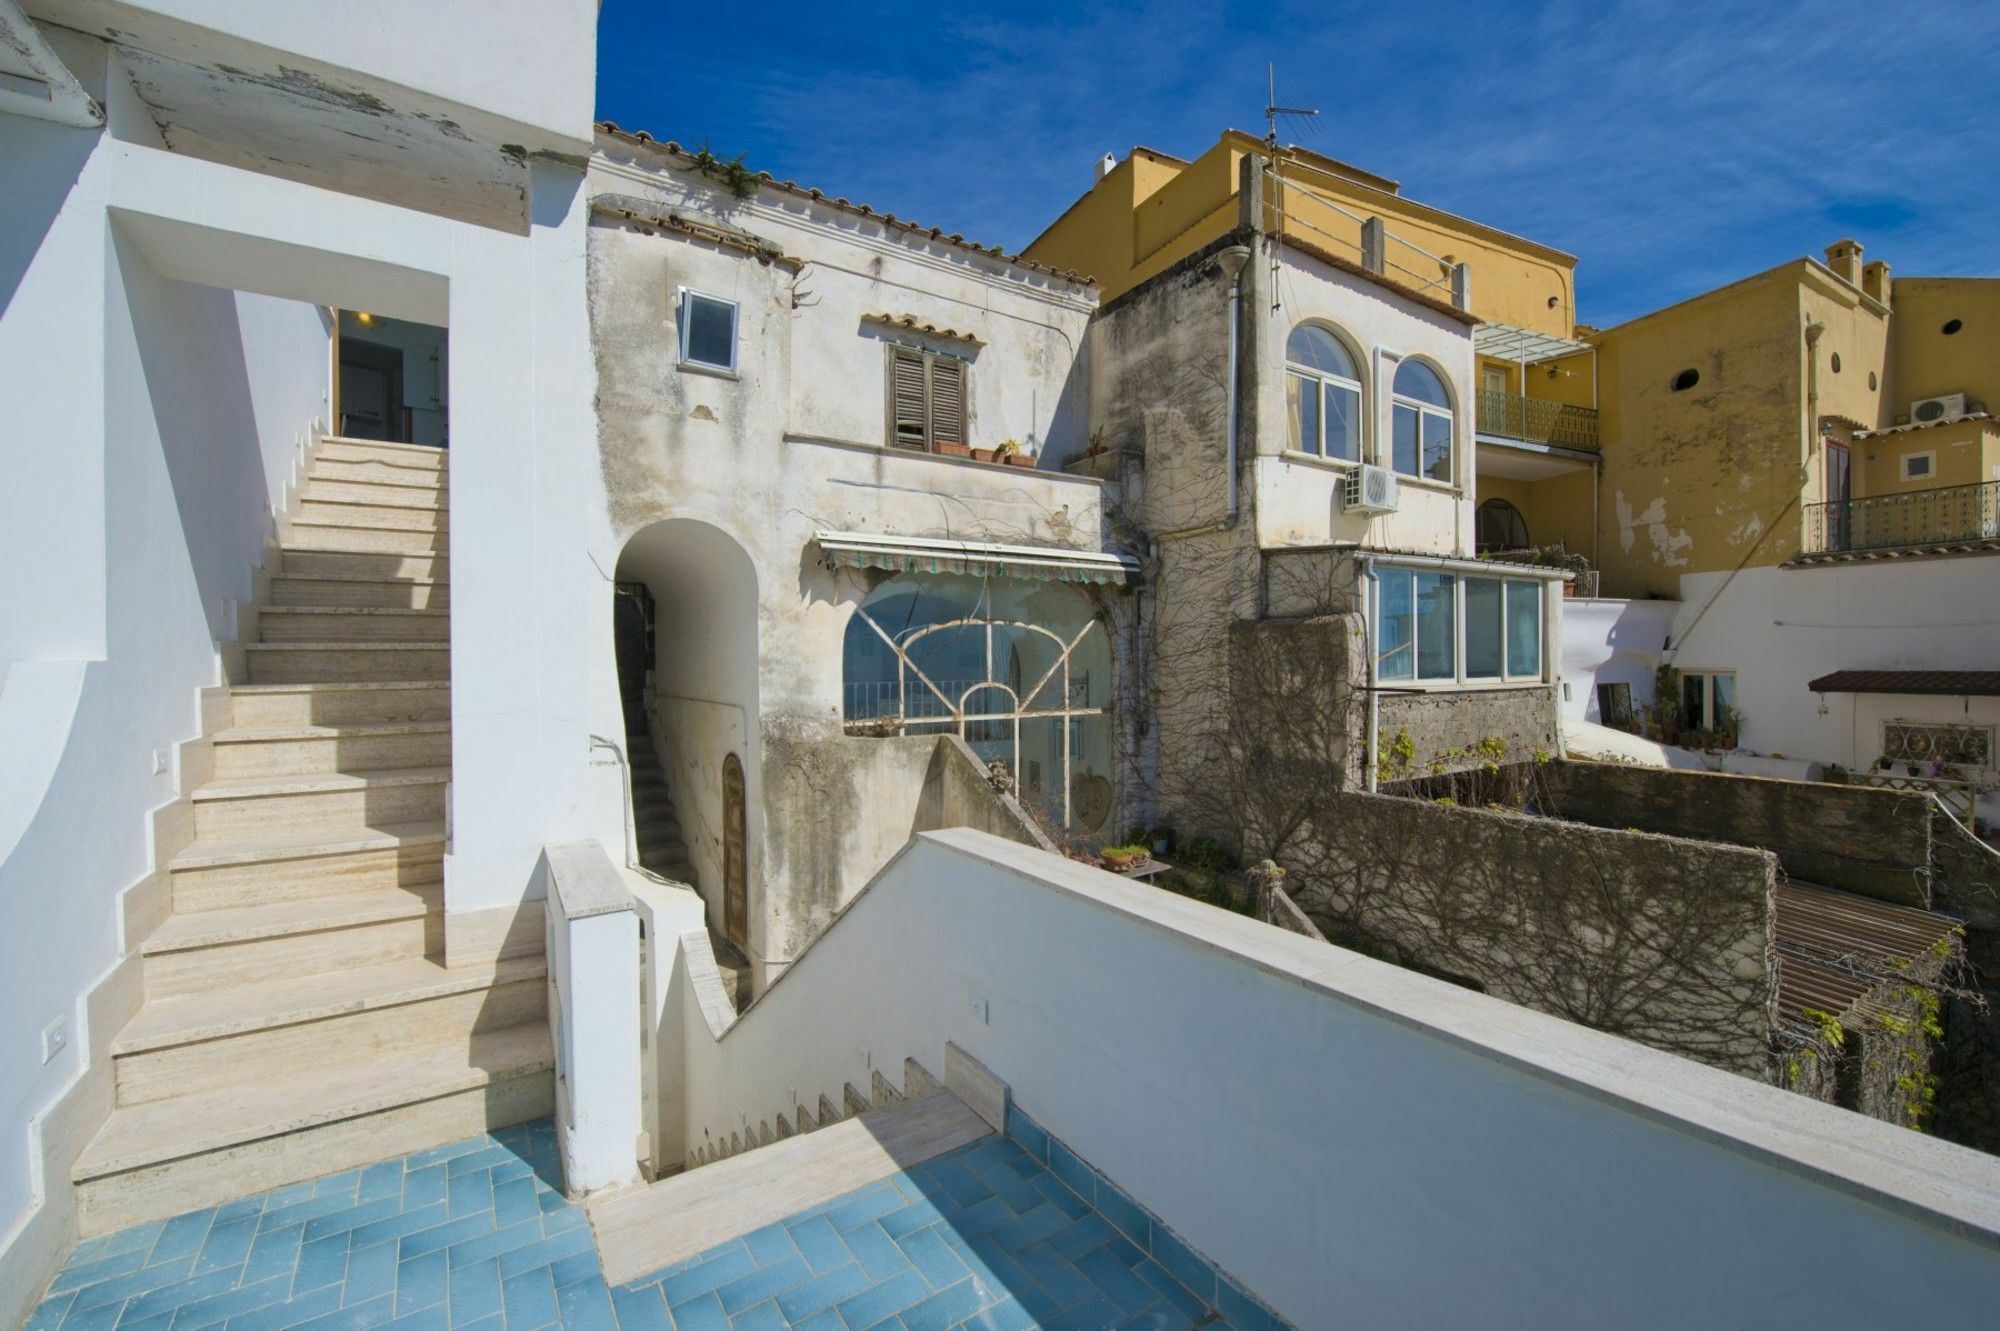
x=594, y=1014
x=1355, y=1142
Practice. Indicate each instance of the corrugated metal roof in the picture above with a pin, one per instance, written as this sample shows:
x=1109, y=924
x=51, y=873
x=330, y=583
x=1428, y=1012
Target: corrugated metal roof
x=1950, y=683
x=1834, y=947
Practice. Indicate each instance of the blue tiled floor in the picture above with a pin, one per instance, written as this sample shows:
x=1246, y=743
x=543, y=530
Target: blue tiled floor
x=477, y=1235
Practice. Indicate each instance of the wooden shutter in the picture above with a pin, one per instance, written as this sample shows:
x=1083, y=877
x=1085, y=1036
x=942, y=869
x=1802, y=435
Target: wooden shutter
x=908, y=404
x=947, y=401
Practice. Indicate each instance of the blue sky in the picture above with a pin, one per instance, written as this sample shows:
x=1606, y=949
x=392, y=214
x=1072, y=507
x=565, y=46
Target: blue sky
x=1670, y=146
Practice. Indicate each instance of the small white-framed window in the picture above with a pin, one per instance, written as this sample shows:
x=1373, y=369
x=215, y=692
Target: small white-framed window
x=1708, y=700
x=1441, y=628
x=1422, y=420
x=1323, y=394
x=707, y=331
x=1920, y=466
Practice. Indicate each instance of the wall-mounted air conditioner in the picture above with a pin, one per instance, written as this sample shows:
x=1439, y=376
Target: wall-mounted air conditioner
x=1369, y=490
x=1949, y=407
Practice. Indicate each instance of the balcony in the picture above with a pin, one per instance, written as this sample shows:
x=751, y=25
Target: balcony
x=1532, y=420
x=1951, y=516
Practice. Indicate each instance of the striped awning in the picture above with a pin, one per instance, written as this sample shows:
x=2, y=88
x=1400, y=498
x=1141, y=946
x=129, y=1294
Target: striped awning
x=929, y=554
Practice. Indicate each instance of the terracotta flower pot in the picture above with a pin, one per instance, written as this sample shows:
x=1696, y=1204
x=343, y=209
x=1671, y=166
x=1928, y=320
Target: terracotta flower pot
x=983, y=454
x=955, y=450
x=1019, y=459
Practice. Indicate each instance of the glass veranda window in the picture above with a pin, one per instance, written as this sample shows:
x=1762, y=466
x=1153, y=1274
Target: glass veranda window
x=1422, y=420
x=1418, y=618
x=1323, y=390
x=1021, y=670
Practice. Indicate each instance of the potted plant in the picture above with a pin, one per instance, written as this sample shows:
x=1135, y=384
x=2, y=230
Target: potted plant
x=1120, y=858
x=1163, y=841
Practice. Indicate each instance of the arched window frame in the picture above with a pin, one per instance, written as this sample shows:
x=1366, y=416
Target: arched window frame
x=1320, y=380
x=1497, y=504
x=1399, y=403
x=939, y=706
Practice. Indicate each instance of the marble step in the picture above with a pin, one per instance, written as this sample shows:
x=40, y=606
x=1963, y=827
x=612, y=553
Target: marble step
x=411, y=493
x=319, y=589
x=333, y=448
x=207, y=1041
x=388, y=517
x=308, y=534
x=328, y=800
x=346, y=662
x=335, y=703
x=191, y=1151
x=643, y=1229
x=301, y=560
x=208, y=950
x=288, y=866
x=350, y=747
x=355, y=623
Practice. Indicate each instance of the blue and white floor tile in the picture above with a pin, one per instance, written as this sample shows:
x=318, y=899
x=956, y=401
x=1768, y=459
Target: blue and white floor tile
x=478, y=1235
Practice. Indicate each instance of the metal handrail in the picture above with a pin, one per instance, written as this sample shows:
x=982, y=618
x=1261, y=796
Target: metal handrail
x=1944, y=514
x=1534, y=420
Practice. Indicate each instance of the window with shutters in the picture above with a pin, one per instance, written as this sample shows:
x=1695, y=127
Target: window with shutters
x=926, y=399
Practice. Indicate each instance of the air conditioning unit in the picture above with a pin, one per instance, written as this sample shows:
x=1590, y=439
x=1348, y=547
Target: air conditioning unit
x=1369, y=490
x=1947, y=408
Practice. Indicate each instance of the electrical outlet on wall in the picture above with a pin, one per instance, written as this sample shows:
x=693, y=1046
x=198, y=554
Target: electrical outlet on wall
x=55, y=1038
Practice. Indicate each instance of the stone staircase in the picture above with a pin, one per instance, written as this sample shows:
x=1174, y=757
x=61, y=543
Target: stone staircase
x=298, y=1017
x=655, y=824
x=721, y=1194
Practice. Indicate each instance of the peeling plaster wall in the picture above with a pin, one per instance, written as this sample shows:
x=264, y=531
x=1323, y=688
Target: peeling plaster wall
x=1693, y=479
x=793, y=442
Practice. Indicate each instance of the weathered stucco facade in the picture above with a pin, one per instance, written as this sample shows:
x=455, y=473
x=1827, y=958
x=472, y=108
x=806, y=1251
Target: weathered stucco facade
x=715, y=483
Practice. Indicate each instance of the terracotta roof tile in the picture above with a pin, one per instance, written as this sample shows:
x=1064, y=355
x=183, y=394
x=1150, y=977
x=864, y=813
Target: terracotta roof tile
x=889, y=219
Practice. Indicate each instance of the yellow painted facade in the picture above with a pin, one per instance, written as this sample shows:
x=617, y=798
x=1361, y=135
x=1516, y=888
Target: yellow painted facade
x=1153, y=210
x=1720, y=473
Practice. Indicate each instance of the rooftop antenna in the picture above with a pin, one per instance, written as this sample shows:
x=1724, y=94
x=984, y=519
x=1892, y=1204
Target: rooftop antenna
x=1305, y=114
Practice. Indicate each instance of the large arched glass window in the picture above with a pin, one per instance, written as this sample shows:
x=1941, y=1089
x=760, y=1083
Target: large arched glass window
x=1020, y=669
x=1323, y=391
x=1422, y=412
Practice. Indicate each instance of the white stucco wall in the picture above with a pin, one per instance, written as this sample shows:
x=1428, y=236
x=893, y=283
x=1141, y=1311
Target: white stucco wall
x=1340, y=1134
x=400, y=43
x=164, y=411
x=1298, y=495
x=173, y=420
x=1610, y=641
x=1779, y=628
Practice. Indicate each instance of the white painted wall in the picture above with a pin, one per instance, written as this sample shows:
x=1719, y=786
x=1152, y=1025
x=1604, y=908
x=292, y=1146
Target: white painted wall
x=163, y=414
x=207, y=399
x=1779, y=628
x=594, y=1014
x=1610, y=641
x=1298, y=496
x=470, y=53
x=1342, y=1134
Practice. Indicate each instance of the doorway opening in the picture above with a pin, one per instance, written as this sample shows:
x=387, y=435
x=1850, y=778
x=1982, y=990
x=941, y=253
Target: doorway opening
x=391, y=382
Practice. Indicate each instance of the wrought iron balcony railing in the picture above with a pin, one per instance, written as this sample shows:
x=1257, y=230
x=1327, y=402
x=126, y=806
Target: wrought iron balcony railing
x=1510, y=416
x=1946, y=515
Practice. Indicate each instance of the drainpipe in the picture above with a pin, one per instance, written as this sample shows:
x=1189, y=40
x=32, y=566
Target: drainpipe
x=1374, y=591
x=1233, y=261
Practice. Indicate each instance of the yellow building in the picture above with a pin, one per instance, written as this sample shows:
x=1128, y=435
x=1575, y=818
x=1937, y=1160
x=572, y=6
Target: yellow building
x=1813, y=410
x=1537, y=424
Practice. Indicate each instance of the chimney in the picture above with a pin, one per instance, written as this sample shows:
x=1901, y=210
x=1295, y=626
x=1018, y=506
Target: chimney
x=1875, y=281
x=1844, y=257
x=1106, y=165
